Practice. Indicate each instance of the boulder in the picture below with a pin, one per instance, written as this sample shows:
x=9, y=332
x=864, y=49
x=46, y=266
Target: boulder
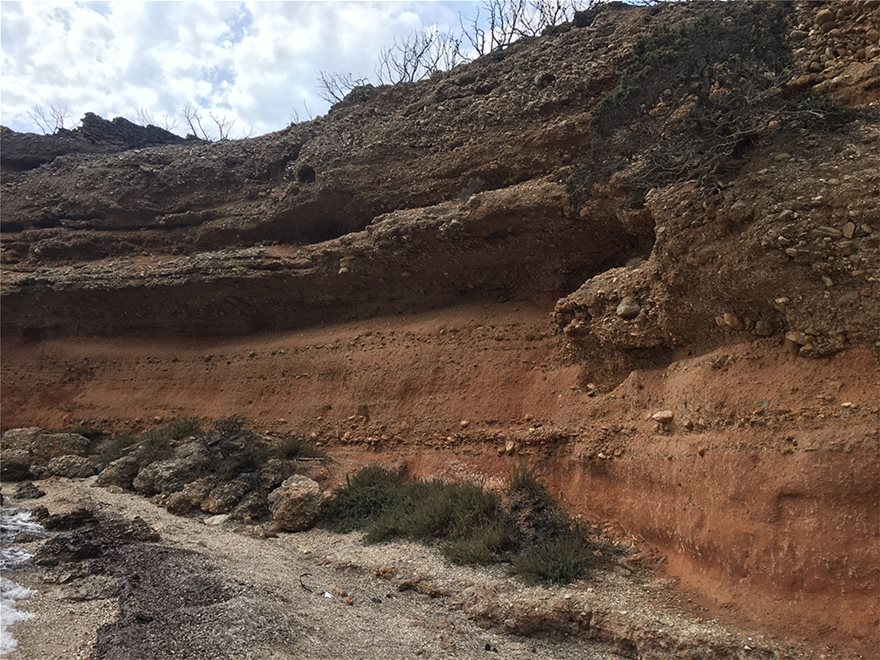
x=275, y=471
x=15, y=465
x=253, y=505
x=179, y=504
x=120, y=472
x=295, y=503
x=171, y=475
x=72, y=466
x=224, y=497
x=43, y=446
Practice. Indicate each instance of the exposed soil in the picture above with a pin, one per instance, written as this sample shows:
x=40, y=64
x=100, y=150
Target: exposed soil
x=436, y=274
x=725, y=495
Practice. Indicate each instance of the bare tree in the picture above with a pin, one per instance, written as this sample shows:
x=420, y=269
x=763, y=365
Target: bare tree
x=193, y=119
x=333, y=87
x=498, y=23
x=49, y=121
x=223, y=123
x=142, y=116
x=418, y=56
x=169, y=122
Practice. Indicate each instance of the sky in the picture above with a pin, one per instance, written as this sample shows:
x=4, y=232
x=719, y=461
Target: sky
x=254, y=62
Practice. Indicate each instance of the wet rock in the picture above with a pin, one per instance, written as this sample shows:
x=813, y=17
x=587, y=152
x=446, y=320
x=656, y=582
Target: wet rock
x=72, y=466
x=27, y=491
x=15, y=465
x=69, y=520
x=120, y=472
x=628, y=308
x=92, y=538
x=295, y=504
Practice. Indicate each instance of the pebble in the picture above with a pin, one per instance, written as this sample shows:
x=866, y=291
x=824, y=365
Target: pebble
x=217, y=520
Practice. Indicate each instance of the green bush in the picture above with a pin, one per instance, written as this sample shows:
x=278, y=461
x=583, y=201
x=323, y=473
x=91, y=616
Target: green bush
x=108, y=449
x=363, y=499
x=469, y=524
x=560, y=560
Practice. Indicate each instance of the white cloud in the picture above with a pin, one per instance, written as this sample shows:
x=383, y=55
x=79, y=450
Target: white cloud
x=254, y=61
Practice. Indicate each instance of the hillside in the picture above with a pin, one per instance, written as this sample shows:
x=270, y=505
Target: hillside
x=673, y=207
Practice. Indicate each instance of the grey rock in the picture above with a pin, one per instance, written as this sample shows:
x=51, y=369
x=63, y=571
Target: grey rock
x=628, y=308
x=72, y=466
x=171, y=475
x=120, y=472
x=15, y=465
x=27, y=491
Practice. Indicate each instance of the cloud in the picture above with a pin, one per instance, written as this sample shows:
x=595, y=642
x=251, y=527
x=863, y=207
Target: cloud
x=254, y=62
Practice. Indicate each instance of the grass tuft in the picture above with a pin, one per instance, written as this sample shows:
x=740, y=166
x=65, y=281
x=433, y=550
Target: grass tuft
x=294, y=446
x=469, y=524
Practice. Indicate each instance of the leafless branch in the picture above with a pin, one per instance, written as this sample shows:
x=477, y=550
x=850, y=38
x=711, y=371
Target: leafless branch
x=223, y=123
x=333, y=87
x=49, y=121
x=169, y=123
x=193, y=119
x=142, y=116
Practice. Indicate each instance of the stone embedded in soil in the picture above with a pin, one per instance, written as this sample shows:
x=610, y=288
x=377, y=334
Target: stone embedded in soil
x=295, y=504
x=628, y=308
x=663, y=417
x=217, y=520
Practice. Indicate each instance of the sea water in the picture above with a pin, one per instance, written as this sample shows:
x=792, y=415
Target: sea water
x=12, y=523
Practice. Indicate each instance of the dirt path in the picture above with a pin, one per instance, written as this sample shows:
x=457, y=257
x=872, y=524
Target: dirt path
x=390, y=601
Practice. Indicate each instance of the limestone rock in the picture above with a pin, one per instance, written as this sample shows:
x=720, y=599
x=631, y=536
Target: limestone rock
x=43, y=446
x=72, y=466
x=171, y=475
x=295, y=504
x=224, y=497
x=120, y=472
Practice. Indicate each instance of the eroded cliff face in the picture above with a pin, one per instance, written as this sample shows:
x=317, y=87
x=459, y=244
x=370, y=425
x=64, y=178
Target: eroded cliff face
x=696, y=226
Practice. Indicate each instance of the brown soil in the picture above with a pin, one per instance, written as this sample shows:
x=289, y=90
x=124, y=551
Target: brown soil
x=762, y=496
